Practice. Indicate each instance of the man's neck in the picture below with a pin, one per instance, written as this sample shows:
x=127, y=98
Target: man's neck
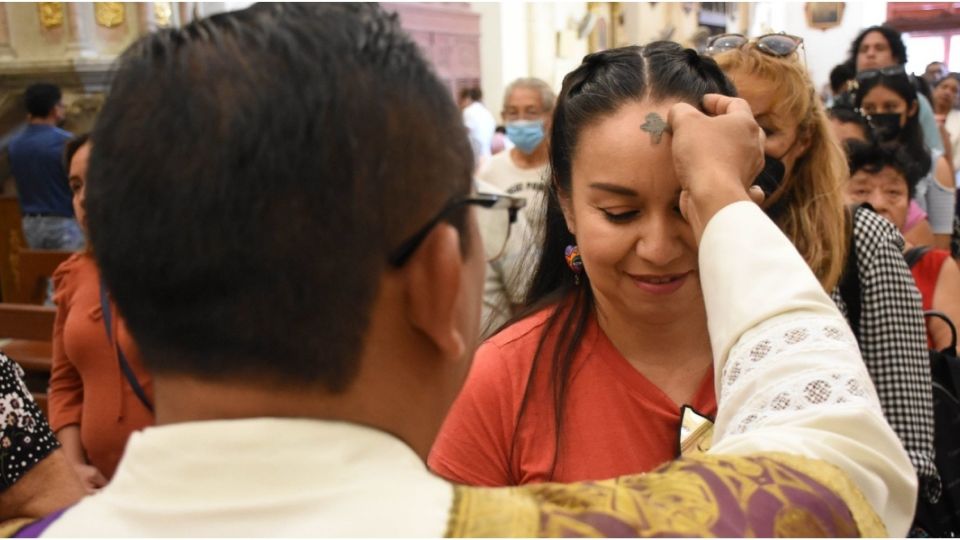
x=181, y=399
x=530, y=161
x=43, y=121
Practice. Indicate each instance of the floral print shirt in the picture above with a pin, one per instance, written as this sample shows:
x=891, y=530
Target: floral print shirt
x=25, y=437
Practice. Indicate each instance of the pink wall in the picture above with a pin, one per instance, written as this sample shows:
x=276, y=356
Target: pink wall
x=449, y=35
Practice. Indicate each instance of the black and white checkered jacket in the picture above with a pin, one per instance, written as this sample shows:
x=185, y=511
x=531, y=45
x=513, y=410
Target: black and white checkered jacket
x=893, y=339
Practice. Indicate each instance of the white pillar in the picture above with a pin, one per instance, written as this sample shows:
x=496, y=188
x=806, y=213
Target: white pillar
x=6, y=48
x=80, y=21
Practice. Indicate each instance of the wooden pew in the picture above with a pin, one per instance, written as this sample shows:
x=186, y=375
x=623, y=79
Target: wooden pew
x=11, y=242
x=34, y=268
x=26, y=331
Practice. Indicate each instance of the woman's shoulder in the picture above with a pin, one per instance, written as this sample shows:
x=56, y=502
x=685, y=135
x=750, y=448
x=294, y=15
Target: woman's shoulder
x=76, y=268
x=522, y=333
x=870, y=230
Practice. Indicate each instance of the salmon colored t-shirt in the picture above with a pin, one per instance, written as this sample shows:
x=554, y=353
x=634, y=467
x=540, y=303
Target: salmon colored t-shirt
x=616, y=421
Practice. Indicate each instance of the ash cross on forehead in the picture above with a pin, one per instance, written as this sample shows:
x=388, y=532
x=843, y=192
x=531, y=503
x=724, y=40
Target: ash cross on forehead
x=656, y=127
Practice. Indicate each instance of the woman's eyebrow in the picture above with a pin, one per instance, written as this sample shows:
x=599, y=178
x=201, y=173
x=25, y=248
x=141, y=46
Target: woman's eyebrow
x=614, y=188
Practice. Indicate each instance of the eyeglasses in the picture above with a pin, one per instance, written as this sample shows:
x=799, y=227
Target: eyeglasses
x=889, y=71
x=526, y=114
x=779, y=44
x=500, y=212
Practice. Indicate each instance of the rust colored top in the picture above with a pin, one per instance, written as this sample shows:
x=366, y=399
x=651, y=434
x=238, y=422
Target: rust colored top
x=87, y=386
x=616, y=421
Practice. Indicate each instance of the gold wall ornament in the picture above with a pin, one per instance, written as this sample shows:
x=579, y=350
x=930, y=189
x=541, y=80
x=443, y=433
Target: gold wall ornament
x=51, y=14
x=162, y=13
x=109, y=14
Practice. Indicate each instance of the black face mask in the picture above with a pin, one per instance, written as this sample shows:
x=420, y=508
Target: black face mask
x=885, y=127
x=769, y=181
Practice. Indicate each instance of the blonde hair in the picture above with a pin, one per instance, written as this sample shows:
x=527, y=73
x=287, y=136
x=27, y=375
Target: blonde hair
x=815, y=219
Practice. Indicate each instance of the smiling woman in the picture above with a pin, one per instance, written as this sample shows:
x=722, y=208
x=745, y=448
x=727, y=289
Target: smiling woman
x=590, y=379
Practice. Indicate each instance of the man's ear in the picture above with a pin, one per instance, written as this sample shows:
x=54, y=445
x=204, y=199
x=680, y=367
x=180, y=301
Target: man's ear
x=433, y=276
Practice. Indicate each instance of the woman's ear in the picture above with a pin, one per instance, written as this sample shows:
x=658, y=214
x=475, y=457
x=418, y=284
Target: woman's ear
x=914, y=106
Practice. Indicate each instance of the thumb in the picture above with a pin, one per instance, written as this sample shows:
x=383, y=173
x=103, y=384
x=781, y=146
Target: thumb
x=679, y=112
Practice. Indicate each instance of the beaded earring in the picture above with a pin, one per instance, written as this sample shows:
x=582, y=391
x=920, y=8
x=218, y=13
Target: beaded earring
x=572, y=256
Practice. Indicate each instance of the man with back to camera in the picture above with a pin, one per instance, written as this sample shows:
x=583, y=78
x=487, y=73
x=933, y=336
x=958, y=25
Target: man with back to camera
x=309, y=307
x=36, y=161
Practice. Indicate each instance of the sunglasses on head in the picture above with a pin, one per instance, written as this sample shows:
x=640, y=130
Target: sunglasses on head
x=779, y=44
x=888, y=71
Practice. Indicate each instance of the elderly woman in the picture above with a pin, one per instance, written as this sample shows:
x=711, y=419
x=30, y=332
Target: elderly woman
x=886, y=177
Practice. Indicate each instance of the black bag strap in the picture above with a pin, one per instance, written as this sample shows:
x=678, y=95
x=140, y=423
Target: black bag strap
x=952, y=348
x=914, y=255
x=124, y=365
x=850, y=280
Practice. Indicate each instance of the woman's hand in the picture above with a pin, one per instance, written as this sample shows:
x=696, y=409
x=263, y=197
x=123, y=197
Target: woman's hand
x=716, y=155
x=91, y=478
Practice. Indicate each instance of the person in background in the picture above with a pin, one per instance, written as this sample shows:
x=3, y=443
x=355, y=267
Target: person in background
x=879, y=47
x=36, y=162
x=521, y=171
x=847, y=125
x=889, y=102
x=94, y=403
x=479, y=122
x=505, y=282
x=808, y=206
x=934, y=72
x=885, y=176
x=500, y=141
x=945, y=93
x=840, y=78
x=35, y=476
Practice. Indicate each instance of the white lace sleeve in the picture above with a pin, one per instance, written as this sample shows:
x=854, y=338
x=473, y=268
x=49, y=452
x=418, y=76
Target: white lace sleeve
x=789, y=375
x=821, y=382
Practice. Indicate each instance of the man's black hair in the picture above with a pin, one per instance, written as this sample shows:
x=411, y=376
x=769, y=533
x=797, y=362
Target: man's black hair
x=848, y=115
x=897, y=49
x=840, y=75
x=244, y=239
x=41, y=98
x=474, y=93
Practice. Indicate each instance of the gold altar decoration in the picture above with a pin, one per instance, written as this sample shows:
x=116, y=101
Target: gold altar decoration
x=109, y=14
x=162, y=12
x=51, y=14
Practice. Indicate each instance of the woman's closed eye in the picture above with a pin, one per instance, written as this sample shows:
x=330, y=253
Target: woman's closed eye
x=619, y=214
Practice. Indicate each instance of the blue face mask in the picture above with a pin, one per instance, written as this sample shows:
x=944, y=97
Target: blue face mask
x=525, y=134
